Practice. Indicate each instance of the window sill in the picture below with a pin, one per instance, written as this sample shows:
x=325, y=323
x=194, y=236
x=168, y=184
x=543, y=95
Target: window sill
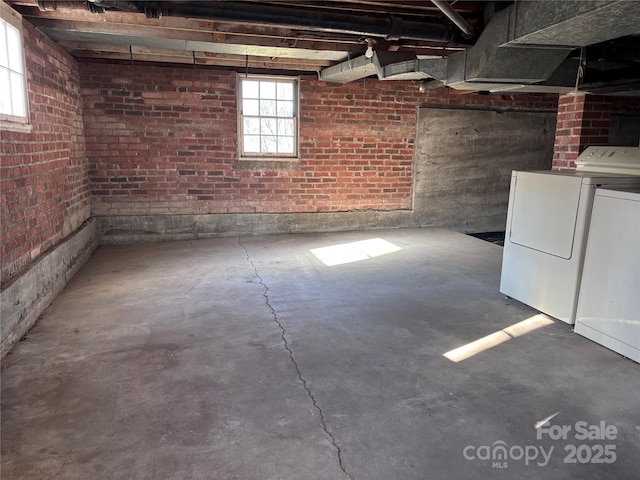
x=9, y=126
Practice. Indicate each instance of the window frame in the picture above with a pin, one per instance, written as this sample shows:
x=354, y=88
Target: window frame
x=276, y=156
x=8, y=121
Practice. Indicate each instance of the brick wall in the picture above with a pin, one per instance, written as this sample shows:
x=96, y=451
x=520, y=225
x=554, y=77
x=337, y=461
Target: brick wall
x=44, y=192
x=162, y=140
x=584, y=120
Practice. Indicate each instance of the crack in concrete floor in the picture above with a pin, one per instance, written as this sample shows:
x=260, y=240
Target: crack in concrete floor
x=304, y=382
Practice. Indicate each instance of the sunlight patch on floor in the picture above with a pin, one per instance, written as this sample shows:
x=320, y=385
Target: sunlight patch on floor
x=496, y=338
x=354, y=251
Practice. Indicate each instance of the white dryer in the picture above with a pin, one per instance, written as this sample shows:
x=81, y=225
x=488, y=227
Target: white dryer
x=548, y=223
x=609, y=301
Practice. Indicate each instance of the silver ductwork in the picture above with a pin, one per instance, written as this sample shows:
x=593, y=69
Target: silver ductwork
x=524, y=47
x=495, y=59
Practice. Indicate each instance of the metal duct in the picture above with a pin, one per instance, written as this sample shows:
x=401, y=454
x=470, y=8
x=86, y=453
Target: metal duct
x=504, y=58
x=573, y=24
x=400, y=65
x=492, y=59
x=525, y=44
x=349, y=71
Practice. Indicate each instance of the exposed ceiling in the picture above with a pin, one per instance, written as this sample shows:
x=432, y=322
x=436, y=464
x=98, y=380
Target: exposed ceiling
x=467, y=45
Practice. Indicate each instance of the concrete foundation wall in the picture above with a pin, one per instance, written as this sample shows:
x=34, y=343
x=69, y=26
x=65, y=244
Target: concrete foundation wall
x=625, y=130
x=625, y=122
x=464, y=159
x=24, y=300
x=154, y=228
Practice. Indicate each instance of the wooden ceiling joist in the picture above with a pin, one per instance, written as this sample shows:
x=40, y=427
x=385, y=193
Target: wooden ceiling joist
x=176, y=36
x=143, y=54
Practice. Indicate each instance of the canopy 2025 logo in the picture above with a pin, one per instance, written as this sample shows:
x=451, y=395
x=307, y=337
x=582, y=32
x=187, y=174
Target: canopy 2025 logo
x=592, y=450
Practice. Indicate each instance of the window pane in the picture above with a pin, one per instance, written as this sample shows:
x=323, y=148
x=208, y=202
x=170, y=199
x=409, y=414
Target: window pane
x=268, y=90
x=250, y=107
x=269, y=144
x=285, y=144
x=5, y=92
x=268, y=126
x=285, y=127
x=285, y=109
x=285, y=91
x=268, y=116
x=250, y=89
x=4, y=59
x=252, y=126
x=268, y=108
x=252, y=143
x=15, y=51
x=17, y=94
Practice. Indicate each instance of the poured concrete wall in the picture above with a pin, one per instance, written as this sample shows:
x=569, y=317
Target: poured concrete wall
x=625, y=130
x=464, y=158
x=24, y=300
x=155, y=228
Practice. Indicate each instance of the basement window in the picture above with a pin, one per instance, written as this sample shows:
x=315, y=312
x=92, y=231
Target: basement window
x=13, y=93
x=268, y=117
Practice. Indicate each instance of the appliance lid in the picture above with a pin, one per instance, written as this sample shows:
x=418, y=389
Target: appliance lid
x=632, y=194
x=610, y=159
x=544, y=212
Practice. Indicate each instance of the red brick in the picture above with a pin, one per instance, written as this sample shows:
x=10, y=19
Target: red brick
x=45, y=193
x=352, y=140
x=589, y=126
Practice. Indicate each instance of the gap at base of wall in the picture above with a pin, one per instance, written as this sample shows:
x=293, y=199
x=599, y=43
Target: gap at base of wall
x=493, y=237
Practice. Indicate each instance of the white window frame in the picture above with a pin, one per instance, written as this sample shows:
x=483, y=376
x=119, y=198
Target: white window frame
x=262, y=156
x=14, y=19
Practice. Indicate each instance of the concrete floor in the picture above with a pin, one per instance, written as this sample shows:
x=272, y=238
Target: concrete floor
x=251, y=359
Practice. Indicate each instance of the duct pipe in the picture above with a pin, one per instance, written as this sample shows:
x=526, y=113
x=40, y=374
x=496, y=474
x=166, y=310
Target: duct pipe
x=119, y=5
x=466, y=29
x=94, y=6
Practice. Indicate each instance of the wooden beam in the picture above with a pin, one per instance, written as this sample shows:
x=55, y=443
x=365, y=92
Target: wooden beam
x=402, y=8
x=198, y=41
x=143, y=54
x=233, y=33
x=364, y=8
x=215, y=36
x=188, y=61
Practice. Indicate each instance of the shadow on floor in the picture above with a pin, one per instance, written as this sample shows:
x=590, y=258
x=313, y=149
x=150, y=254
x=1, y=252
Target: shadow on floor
x=493, y=237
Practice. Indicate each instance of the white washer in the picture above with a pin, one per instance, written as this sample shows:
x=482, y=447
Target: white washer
x=608, y=309
x=547, y=226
